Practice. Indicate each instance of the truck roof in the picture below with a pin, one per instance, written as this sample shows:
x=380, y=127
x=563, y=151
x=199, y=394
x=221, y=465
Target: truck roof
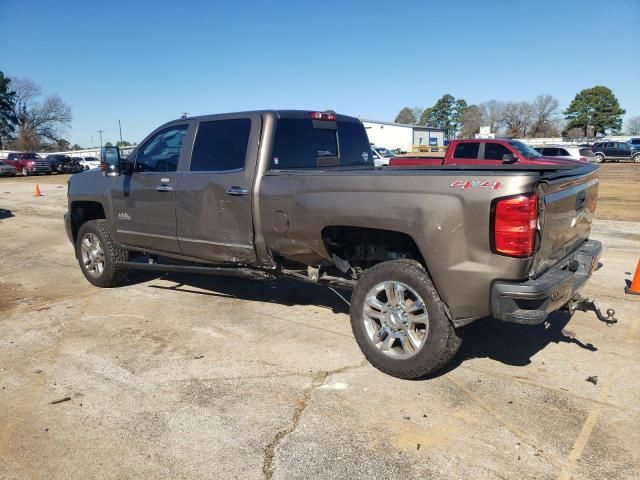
x=284, y=113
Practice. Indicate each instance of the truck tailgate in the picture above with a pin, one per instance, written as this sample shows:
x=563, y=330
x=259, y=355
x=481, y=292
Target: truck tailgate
x=567, y=203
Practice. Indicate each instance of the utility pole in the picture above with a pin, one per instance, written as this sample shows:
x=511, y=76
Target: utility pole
x=100, y=132
x=120, y=127
x=92, y=144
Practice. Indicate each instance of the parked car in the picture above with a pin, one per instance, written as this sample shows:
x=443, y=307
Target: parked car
x=28, y=163
x=567, y=151
x=90, y=162
x=381, y=155
x=64, y=163
x=268, y=194
x=485, y=152
x=7, y=170
x=614, y=151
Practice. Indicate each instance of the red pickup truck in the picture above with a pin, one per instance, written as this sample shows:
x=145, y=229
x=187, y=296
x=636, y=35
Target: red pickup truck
x=485, y=152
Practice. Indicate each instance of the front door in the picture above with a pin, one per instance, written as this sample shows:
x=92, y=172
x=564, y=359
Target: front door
x=144, y=199
x=213, y=201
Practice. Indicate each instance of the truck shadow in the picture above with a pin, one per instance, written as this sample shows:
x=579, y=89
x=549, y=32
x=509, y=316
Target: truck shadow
x=281, y=291
x=513, y=344
x=4, y=213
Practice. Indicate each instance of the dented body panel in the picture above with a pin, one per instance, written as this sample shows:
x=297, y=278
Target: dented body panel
x=264, y=216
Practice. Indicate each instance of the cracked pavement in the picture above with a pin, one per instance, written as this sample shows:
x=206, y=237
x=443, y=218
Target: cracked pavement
x=184, y=376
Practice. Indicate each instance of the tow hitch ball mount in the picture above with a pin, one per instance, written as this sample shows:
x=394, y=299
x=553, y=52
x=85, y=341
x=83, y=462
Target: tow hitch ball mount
x=586, y=305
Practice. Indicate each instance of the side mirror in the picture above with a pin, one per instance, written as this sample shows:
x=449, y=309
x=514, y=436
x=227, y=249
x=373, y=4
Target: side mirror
x=110, y=161
x=509, y=158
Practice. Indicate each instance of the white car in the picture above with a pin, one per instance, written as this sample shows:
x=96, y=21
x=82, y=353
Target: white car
x=567, y=151
x=89, y=163
x=381, y=156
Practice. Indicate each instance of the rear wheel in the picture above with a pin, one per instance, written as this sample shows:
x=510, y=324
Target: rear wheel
x=598, y=157
x=399, y=321
x=99, y=256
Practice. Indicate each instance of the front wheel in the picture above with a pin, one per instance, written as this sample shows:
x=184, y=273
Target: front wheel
x=598, y=157
x=636, y=158
x=399, y=321
x=25, y=171
x=100, y=258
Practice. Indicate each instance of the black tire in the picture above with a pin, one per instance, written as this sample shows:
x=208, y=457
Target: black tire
x=25, y=172
x=636, y=158
x=113, y=274
x=443, y=340
x=599, y=158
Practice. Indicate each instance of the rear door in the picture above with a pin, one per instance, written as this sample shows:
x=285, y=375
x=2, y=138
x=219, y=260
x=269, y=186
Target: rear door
x=465, y=153
x=567, y=200
x=623, y=150
x=214, y=199
x=144, y=200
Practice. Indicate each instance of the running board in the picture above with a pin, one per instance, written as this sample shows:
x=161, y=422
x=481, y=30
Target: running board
x=224, y=271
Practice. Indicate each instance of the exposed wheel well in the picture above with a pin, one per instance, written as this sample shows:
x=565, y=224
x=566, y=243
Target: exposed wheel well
x=82, y=212
x=364, y=247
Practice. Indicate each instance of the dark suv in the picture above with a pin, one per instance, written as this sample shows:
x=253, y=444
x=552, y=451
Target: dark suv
x=614, y=151
x=63, y=164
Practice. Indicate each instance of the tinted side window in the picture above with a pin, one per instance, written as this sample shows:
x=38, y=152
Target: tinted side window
x=563, y=153
x=298, y=144
x=467, y=150
x=635, y=141
x=221, y=145
x=162, y=151
x=495, y=151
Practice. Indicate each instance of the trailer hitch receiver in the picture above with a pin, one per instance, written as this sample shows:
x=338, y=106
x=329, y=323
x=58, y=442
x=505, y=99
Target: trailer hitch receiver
x=586, y=305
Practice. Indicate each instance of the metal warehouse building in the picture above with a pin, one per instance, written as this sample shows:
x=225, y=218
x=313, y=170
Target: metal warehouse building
x=407, y=138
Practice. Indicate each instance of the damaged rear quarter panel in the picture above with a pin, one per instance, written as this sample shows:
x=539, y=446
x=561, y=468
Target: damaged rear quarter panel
x=449, y=225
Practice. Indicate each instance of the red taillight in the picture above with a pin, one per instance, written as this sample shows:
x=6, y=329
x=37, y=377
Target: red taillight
x=322, y=116
x=514, y=221
x=584, y=159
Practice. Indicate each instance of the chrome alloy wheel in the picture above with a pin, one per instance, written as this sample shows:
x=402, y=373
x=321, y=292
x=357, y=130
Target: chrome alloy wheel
x=396, y=319
x=92, y=255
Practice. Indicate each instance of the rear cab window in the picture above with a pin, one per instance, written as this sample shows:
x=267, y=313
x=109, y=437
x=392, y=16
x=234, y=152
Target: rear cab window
x=303, y=143
x=467, y=150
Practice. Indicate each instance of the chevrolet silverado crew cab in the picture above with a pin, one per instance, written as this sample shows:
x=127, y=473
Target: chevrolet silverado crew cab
x=265, y=194
x=484, y=152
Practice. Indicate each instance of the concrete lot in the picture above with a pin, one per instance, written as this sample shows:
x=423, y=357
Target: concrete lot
x=180, y=376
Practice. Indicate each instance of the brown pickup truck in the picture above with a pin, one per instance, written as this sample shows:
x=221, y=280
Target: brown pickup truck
x=264, y=194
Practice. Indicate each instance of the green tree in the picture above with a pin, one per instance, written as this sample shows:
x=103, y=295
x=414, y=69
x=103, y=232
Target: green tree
x=459, y=108
x=446, y=114
x=108, y=144
x=75, y=146
x=122, y=143
x=406, y=116
x=7, y=100
x=595, y=107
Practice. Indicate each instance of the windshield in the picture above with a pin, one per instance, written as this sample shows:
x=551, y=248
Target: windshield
x=525, y=150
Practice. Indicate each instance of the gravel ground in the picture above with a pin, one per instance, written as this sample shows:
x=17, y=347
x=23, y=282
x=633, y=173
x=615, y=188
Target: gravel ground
x=184, y=376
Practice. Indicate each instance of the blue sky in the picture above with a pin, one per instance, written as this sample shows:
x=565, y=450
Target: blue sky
x=145, y=62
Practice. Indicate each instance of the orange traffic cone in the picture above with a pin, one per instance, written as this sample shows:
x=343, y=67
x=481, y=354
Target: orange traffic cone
x=634, y=288
x=37, y=192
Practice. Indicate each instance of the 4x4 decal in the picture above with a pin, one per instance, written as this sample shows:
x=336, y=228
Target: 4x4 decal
x=466, y=184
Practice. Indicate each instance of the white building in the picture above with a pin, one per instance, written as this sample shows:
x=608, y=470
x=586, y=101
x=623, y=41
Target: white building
x=405, y=137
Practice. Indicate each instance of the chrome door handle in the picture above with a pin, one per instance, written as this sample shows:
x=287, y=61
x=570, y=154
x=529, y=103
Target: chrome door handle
x=164, y=188
x=237, y=190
